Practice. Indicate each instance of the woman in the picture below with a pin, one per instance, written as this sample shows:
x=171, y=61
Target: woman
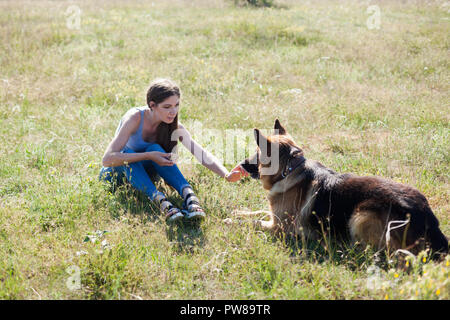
x=142, y=144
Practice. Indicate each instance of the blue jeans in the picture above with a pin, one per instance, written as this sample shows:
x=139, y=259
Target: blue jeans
x=137, y=173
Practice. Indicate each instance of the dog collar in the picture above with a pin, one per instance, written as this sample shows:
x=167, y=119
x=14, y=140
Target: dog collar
x=293, y=163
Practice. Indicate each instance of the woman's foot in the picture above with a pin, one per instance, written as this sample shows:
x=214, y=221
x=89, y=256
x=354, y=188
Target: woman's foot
x=191, y=206
x=171, y=212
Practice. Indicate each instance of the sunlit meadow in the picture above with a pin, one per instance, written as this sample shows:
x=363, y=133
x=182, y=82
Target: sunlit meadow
x=362, y=86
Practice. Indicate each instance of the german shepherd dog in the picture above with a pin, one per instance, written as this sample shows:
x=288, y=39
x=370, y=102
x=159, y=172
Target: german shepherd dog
x=305, y=196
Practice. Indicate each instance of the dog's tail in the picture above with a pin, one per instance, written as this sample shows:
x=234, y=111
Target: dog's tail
x=423, y=230
x=438, y=242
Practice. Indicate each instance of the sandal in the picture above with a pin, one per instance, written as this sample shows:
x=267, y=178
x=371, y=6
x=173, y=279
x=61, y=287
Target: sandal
x=192, y=209
x=172, y=213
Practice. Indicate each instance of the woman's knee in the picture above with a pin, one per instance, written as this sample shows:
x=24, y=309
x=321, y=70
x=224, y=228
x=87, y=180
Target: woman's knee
x=155, y=147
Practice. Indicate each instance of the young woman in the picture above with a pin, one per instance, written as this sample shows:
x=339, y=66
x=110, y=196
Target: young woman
x=143, y=144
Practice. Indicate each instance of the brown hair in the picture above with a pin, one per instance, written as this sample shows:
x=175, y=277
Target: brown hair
x=160, y=90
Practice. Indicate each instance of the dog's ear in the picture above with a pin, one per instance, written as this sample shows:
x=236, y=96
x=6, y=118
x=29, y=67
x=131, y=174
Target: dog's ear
x=278, y=128
x=260, y=139
x=264, y=146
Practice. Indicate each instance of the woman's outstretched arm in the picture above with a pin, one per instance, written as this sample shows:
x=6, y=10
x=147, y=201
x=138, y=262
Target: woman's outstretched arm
x=203, y=156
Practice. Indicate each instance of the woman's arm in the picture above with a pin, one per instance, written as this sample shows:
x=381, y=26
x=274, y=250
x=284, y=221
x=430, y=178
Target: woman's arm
x=113, y=157
x=203, y=156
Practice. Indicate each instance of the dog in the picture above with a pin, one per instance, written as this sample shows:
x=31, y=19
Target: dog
x=308, y=199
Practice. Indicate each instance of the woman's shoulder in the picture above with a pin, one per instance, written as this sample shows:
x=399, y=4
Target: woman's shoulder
x=132, y=117
x=134, y=113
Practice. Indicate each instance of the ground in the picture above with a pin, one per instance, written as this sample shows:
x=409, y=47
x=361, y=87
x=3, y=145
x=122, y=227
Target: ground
x=362, y=86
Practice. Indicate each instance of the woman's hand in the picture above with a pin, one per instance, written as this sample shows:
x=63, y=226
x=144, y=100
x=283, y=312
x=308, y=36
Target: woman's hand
x=161, y=158
x=236, y=174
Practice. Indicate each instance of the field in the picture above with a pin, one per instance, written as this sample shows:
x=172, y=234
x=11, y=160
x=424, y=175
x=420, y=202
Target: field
x=360, y=92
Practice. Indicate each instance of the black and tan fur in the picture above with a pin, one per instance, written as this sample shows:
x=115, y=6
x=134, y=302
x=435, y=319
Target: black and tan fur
x=312, y=199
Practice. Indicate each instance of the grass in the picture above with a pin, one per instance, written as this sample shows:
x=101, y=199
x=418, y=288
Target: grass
x=358, y=100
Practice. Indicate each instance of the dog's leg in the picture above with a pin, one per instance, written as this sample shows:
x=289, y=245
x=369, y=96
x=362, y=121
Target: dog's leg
x=259, y=224
x=249, y=213
x=368, y=228
x=264, y=225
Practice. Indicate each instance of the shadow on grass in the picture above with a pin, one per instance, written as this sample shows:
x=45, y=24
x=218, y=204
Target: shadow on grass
x=336, y=251
x=186, y=234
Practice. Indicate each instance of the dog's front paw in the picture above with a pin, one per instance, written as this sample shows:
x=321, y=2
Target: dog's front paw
x=228, y=221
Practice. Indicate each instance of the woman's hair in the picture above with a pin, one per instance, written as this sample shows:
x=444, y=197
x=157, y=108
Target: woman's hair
x=160, y=90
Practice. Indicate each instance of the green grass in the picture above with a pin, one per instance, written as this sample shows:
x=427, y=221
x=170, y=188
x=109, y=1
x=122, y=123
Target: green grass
x=366, y=101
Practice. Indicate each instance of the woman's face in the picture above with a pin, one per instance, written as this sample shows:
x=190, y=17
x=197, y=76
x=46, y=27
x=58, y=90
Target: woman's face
x=167, y=110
